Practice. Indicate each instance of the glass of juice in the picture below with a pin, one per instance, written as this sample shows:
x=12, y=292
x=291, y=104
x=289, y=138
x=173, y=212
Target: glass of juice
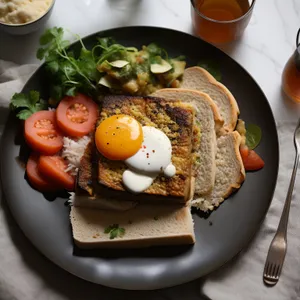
x=291, y=74
x=220, y=21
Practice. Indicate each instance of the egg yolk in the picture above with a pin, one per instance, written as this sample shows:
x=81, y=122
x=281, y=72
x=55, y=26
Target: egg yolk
x=119, y=137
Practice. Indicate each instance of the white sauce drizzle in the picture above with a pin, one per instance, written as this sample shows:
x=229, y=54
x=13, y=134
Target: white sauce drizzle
x=153, y=158
x=170, y=170
x=136, y=183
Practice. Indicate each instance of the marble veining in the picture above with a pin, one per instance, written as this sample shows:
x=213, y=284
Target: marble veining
x=169, y=8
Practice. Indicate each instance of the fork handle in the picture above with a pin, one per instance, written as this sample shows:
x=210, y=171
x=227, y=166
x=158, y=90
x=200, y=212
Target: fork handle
x=282, y=227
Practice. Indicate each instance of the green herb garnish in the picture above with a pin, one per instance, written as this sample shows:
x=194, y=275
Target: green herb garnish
x=76, y=71
x=114, y=231
x=111, y=51
x=212, y=67
x=253, y=135
x=69, y=72
x=155, y=50
x=27, y=104
x=73, y=69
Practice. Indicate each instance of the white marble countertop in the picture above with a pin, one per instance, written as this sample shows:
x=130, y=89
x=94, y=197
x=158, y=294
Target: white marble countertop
x=266, y=45
x=268, y=41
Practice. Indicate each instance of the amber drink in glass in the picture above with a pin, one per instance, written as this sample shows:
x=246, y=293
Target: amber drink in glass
x=291, y=74
x=220, y=21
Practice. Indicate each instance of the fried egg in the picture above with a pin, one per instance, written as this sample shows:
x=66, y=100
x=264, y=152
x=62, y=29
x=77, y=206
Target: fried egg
x=119, y=137
x=146, y=150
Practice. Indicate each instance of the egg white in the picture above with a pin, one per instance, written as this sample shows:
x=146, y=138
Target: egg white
x=153, y=158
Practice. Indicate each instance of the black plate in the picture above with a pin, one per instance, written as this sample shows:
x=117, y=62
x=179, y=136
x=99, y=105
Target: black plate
x=219, y=237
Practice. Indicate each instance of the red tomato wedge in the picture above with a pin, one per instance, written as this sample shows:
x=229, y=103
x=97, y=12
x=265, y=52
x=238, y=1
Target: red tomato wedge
x=252, y=161
x=77, y=116
x=35, y=178
x=53, y=168
x=42, y=133
x=244, y=150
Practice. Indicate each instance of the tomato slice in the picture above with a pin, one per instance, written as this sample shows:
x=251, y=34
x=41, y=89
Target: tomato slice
x=252, y=161
x=54, y=169
x=42, y=133
x=77, y=116
x=35, y=178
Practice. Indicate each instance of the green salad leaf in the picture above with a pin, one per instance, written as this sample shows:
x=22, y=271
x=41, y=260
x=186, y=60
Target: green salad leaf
x=27, y=104
x=114, y=231
x=253, y=135
x=212, y=67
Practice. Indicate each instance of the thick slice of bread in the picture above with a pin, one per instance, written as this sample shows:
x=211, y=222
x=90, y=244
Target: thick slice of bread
x=207, y=116
x=89, y=193
x=176, y=120
x=145, y=225
x=230, y=172
x=197, y=78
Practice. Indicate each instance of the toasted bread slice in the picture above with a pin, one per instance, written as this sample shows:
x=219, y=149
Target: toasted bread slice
x=145, y=225
x=197, y=78
x=209, y=120
x=230, y=172
x=89, y=193
x=87, y=190
x=199, y=99
x=176, y=120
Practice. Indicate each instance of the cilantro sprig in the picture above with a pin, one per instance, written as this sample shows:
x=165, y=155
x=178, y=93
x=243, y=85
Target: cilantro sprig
x=27, y=104
x=114, y=231
x=69, y=73
x=72, y=71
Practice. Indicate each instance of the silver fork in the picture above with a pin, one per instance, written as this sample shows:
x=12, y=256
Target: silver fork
x=277, y=250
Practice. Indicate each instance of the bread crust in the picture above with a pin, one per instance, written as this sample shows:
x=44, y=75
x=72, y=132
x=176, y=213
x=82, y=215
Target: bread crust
x=139, y=243
x=217, y=195
x=219, y=121
x=209, y=122
x=233, y=187
x=193, y=72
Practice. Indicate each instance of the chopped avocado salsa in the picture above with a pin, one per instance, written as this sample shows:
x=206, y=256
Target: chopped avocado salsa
x=140, y=72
